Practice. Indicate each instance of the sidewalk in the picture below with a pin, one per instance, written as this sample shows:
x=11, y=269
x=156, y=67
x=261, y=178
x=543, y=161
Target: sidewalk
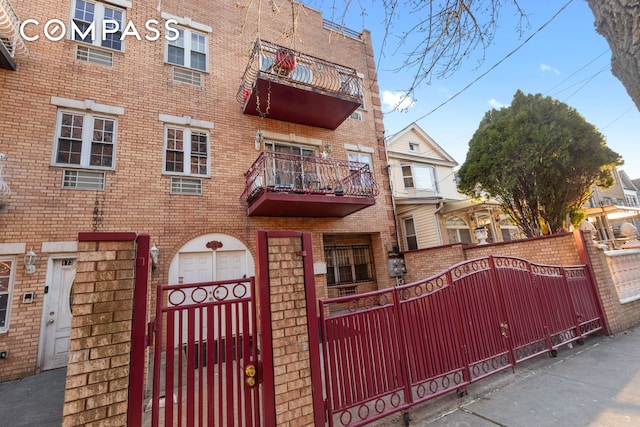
x=596, y=384
x=34, y=401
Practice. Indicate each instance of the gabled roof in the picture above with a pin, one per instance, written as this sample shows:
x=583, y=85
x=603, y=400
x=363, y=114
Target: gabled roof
x=414, y=133
x=627, y=183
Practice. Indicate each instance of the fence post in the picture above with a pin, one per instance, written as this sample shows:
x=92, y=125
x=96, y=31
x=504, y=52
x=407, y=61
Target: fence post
x=287, y=307
x=98, y=382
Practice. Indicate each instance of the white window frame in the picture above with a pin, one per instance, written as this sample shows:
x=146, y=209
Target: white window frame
x=99, y=15
x=9, y=292
x=414, y=147
x=188, y=47
x=415, y=185
x=87, y=140
x=186, y=150
x=406, y=233
x=456, y=228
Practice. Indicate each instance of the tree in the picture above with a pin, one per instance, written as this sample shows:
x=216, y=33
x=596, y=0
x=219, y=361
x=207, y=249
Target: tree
x=539, y=158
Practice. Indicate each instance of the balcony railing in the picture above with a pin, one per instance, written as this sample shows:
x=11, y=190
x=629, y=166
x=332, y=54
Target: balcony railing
x=12, y=45
x=285, y=84
x=282, y=173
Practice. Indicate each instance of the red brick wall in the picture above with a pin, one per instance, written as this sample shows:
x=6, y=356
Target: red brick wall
x=137, y=193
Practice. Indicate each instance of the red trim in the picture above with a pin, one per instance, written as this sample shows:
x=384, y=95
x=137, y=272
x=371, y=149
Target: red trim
x=312, y=324
x=266, y=338
x=139, y=329
x=106, y=236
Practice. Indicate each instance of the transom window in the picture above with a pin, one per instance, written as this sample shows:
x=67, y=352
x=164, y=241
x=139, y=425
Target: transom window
x=85, y=140
x=186, y=151
x=6, y=282
x=419, y=177
x=88, y=17
x=348, y=264
x=188, y=50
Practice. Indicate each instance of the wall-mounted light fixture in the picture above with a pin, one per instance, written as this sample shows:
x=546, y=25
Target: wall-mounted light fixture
x=30, y=262
x=154, y=257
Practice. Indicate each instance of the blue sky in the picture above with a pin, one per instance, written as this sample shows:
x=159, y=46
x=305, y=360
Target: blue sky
x=567, y=60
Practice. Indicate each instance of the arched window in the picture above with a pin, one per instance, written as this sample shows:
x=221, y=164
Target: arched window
x=458, y=230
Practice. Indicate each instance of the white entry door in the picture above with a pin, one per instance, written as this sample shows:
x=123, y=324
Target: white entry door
x=196, y=267
x=230, y=265
x=57, y=315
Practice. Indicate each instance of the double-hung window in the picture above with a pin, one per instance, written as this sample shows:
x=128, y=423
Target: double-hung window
x=188, y=50
x=186, y=151
x=98, y=24
x=348, y=264
x=85, y=140
x=6, y=282
x=419, y=177
x=410, y=235
x=359, y=175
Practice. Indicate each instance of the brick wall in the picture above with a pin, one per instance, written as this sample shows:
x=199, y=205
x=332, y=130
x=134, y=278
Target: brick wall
x=98, y=372
x=290, y=335
x=557, y=249
x=137, y=196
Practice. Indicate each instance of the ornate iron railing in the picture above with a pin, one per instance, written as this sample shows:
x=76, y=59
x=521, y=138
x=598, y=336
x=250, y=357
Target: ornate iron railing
x=281, y=63
x=10, y=31
x=292, y=173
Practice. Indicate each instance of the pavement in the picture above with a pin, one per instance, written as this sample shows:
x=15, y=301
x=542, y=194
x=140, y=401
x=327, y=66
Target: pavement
x=594, y=384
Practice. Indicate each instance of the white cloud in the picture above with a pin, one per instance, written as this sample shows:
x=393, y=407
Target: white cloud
x=396, y=100
x=545, y=68
x=495, y=104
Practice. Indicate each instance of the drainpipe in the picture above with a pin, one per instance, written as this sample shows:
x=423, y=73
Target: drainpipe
x=393, y=198
x=436, y=217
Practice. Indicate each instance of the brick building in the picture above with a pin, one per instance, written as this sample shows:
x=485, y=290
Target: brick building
x=196, y=122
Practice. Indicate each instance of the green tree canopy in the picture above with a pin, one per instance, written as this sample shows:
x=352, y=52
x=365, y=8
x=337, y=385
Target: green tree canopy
x=539, y=158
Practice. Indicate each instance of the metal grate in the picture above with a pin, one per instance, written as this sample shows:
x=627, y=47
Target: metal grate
x=83, y=180
x=94, y=56
x=186, y=186
x=181, y=75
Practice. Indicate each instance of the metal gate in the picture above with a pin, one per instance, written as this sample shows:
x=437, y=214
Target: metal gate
x=205, y=359
x=387, y=350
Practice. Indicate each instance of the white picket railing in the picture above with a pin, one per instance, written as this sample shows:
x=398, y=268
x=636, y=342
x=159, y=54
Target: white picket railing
x=624, y=265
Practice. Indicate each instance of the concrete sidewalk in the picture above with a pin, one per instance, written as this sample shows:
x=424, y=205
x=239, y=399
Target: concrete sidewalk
x=34, y=401
x=596, y=384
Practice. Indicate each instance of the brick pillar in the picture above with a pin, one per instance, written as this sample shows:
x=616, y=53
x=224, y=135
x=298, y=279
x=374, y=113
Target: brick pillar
x=98, y=370
x=287, y=291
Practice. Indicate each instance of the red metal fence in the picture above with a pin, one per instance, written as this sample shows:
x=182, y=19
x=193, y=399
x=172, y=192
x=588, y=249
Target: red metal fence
x=397, y=347
x=205, y=355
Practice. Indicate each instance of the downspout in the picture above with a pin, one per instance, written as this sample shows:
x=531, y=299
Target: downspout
x=393, y=198
x=435, y=215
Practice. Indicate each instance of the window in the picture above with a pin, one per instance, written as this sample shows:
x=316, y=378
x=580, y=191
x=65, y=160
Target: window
x=85, y=140
x=419, y=177
x=287, y=168
x=186, y=151
x=360, y=178
x=413, y=147
x=348, y=264
x=188, y=50
x=458, y=230
x=410, y=236
x=88, y=17
x=6, y=285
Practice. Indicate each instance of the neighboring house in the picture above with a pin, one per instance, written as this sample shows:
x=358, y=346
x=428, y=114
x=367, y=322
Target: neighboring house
x=607, y=209
x=429, y=209
x=250, y=119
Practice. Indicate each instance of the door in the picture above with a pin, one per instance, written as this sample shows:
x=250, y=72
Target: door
x=57, y=315
x=230, y=265
x=196, y=267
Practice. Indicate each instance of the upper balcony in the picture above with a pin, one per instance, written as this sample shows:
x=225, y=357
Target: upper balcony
x=282, y=184
x=11, y=44
x=284, y=84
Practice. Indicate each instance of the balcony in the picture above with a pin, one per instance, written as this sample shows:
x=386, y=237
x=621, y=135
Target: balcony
x=287, y=85
x=289, y=185
x=11, y=44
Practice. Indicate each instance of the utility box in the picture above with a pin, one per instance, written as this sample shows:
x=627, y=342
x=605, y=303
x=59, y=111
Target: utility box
x=397, y=267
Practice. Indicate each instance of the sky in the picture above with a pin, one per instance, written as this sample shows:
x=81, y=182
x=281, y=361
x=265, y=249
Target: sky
x=566, y=60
